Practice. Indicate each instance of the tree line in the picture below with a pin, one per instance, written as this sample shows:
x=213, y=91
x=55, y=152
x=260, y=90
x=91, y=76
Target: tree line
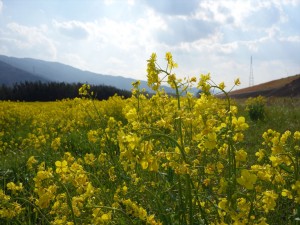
x=51, y=91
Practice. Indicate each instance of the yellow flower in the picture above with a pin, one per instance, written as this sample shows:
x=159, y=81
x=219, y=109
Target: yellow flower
x=287, y=193
x=247, y=179
x=89, y=159
x=260, y=154
x=193, y=79
x=275, y=160
x=133, y=210
x=220, y=167
x=296, y=187
x=31, y=161
x=111, y=173
x=106, y=217
x=92, y=136
x=68, y=157
x=84, y=89
x=131, y=115
x=269, y=200
x=223, y=204
x=238, y=137
x=239, y=123
x=285, y=136
x=203, y=83
x=241, y=155
x=144, y=163
x=210, y=168
x=61, y=166
x=237, y=82
x=172, y=80
x=206, y=182
x=263, y=221
x=152, y=73
x=171, y=63
x=55, y=144
x=297, y=135
x=222, y=85
x=102, y=157
x=211, y=140
x=136, y=84
x=14, y=188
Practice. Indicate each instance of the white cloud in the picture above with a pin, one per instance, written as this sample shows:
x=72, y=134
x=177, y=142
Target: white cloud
x=112, y=46
x=244, y=14
x=109, y=2
x=124, y=35
x=270, y=69
x=115, y=65
x=73, y=29
x=131, y=2
x=181, y=29
x=224, y=11
x=174, y=7
x=204, y=36
x=31, y=40
x=292, y=39
x=1, y=6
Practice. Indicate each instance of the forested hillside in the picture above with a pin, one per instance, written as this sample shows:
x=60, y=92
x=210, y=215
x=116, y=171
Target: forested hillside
x=51, y=91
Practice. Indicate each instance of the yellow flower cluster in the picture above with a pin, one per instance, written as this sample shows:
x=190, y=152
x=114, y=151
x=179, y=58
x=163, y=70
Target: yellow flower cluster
x=8, y=207
x=132, y=209
x=145, y=160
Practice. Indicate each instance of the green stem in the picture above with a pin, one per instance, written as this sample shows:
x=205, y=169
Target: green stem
x=295, y=165
x=190, y=198
x=171, y=139
x=37, y=208
x=70, y=203
x=251, y=206
x=182, y=209
x=160, y=206
x=202, y=212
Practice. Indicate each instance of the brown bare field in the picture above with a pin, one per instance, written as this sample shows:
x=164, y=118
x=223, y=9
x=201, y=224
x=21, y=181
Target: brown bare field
x=284, y=87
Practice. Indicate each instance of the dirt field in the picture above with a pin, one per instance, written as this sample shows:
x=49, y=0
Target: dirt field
x=285, y=87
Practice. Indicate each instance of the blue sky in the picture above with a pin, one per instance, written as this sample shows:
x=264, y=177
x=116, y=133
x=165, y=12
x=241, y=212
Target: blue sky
x=116, y=37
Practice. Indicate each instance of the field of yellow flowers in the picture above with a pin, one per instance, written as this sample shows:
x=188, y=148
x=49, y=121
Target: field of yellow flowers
x=170, y=160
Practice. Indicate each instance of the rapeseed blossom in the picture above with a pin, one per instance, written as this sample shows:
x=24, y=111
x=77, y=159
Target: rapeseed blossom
x=241, y=155
x=247, y=179
x=297, y=135
x=14, y=188
x=84, y=89
x=287, y=193
x=237, y=82
x=61, y=166
x=30, y=162
x=269, y=200
x=55, y=144
x=152, y=73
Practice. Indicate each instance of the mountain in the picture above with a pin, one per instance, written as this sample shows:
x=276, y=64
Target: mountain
x=9, y=75
x=284, y=87
x=58, y=72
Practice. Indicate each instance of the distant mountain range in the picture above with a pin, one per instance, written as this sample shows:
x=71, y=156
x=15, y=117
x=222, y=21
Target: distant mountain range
x=10, y=75
x=16, y=70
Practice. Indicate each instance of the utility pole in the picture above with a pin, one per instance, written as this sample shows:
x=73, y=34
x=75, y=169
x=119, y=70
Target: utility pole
x=251, y=78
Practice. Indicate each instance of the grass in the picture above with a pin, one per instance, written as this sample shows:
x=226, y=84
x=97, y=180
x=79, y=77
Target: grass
x=281, y=114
